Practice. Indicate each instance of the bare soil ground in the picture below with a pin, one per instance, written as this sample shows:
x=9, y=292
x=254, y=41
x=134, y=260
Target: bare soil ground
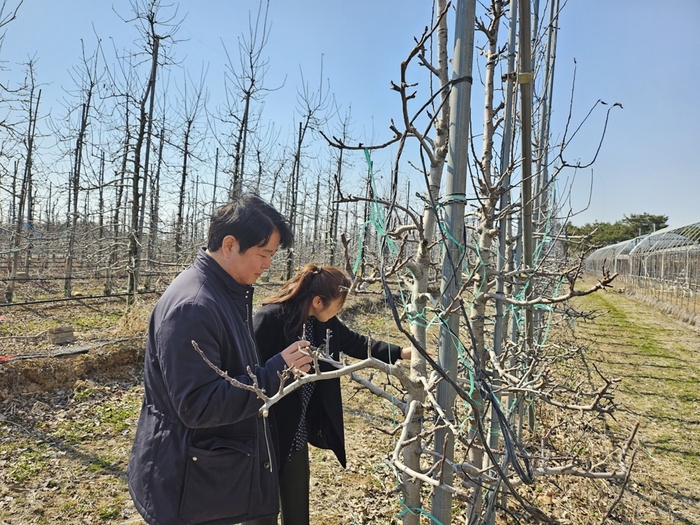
x=67, y=423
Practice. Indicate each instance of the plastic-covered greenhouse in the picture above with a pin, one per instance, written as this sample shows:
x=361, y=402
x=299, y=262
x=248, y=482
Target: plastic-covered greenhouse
x=664, y=265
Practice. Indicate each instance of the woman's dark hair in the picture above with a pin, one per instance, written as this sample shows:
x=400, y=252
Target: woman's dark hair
x=327, y=282
x=251, y=221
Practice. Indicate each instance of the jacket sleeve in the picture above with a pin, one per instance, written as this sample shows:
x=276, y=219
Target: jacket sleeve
x=268, y=327
x=199, y=396
x=355, y=345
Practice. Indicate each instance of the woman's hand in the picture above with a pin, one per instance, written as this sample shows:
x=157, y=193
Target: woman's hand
x=297, y=356
x=406, y=352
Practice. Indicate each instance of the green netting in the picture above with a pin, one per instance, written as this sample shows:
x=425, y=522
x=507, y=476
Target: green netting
x=377, y=219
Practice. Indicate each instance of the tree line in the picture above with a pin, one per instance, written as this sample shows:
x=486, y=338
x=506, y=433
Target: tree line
x=599, y=234
x=122, y=178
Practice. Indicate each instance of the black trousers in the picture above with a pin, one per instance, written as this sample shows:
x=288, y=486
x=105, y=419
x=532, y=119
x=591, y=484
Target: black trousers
x=294, y=492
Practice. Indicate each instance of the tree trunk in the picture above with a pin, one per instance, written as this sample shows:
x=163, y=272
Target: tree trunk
x=75, y=185
x=136, y=196
x=293, y=189
x=421, y=268
x=26, y=178
x=155, y=209
x=181, y=200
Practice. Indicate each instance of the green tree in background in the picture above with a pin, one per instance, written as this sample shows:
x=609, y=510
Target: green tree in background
x=644, y=223
x=604, y=233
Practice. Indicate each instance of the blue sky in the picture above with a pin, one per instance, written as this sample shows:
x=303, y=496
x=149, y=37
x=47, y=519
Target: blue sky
x=642, y=54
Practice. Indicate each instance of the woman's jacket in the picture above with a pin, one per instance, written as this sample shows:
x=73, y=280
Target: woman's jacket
x=324, y=416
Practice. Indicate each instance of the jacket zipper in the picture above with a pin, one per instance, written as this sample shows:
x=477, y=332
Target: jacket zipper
x=257, y=354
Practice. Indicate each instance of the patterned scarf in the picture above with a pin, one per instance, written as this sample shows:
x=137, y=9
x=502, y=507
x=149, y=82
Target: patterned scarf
x=300, y=438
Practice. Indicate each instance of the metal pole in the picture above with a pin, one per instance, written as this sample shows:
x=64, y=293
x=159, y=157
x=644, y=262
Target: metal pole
x=499, y=330
x=542, y=191
x=525, y=80
x=455, y=193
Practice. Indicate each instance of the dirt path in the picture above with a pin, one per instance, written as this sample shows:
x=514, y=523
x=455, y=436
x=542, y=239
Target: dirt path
x=656, y=359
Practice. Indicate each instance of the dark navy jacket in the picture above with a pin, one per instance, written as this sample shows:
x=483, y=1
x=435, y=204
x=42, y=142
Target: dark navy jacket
x=202, y=454
x=324, y=416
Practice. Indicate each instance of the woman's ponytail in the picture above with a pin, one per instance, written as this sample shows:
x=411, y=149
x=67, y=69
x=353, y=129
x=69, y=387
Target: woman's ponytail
x=327, y=282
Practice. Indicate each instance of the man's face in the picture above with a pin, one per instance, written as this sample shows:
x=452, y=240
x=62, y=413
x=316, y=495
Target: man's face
x=247, y=267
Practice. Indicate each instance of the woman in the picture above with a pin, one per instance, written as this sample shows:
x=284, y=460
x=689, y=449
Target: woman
x=304, y=308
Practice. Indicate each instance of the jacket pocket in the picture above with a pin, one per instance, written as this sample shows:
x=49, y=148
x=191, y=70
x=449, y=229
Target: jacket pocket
x=218, y=478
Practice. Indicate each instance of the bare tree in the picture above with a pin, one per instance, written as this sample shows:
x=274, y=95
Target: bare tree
x=335, y=181
x=32, y=110
x=493, y=434
x=312, y=108
x=119, y=184
x=147, y=16
x=8, y=13
x=155, y=202
x=421, y=262
x=192, y=108
x=245, y=86
x=87, y=78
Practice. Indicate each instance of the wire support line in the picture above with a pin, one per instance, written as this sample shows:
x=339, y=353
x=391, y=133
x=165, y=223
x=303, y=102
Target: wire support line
x=80, y=298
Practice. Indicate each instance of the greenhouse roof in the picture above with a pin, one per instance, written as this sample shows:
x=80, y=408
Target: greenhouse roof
x=684, y=236
x=616, y=250
x=669, y=238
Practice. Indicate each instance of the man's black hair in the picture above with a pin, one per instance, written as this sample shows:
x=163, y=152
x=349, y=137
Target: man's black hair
x=251, y=221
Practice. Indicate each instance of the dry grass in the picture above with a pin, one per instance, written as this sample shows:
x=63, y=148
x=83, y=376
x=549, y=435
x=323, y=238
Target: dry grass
x=63, y=452
x=656, y=359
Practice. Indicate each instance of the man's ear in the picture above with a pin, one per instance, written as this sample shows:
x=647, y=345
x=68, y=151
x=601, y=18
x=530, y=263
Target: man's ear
x=229, y=244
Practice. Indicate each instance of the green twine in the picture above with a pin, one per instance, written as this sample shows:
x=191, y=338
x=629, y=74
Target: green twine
x=360, y=249
x=414, y=511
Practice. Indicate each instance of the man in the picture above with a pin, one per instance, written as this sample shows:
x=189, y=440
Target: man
x=202, y=453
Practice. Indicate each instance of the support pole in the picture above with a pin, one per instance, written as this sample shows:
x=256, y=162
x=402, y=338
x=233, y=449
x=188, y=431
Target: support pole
x=455, y=193
x=505, y=256
x=525, y=80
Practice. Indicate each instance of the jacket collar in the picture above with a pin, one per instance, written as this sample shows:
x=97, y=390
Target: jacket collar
x=206, y=263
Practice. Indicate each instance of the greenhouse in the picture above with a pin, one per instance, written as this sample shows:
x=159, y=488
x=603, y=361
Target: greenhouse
x=664, y=265
x=613, y=258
